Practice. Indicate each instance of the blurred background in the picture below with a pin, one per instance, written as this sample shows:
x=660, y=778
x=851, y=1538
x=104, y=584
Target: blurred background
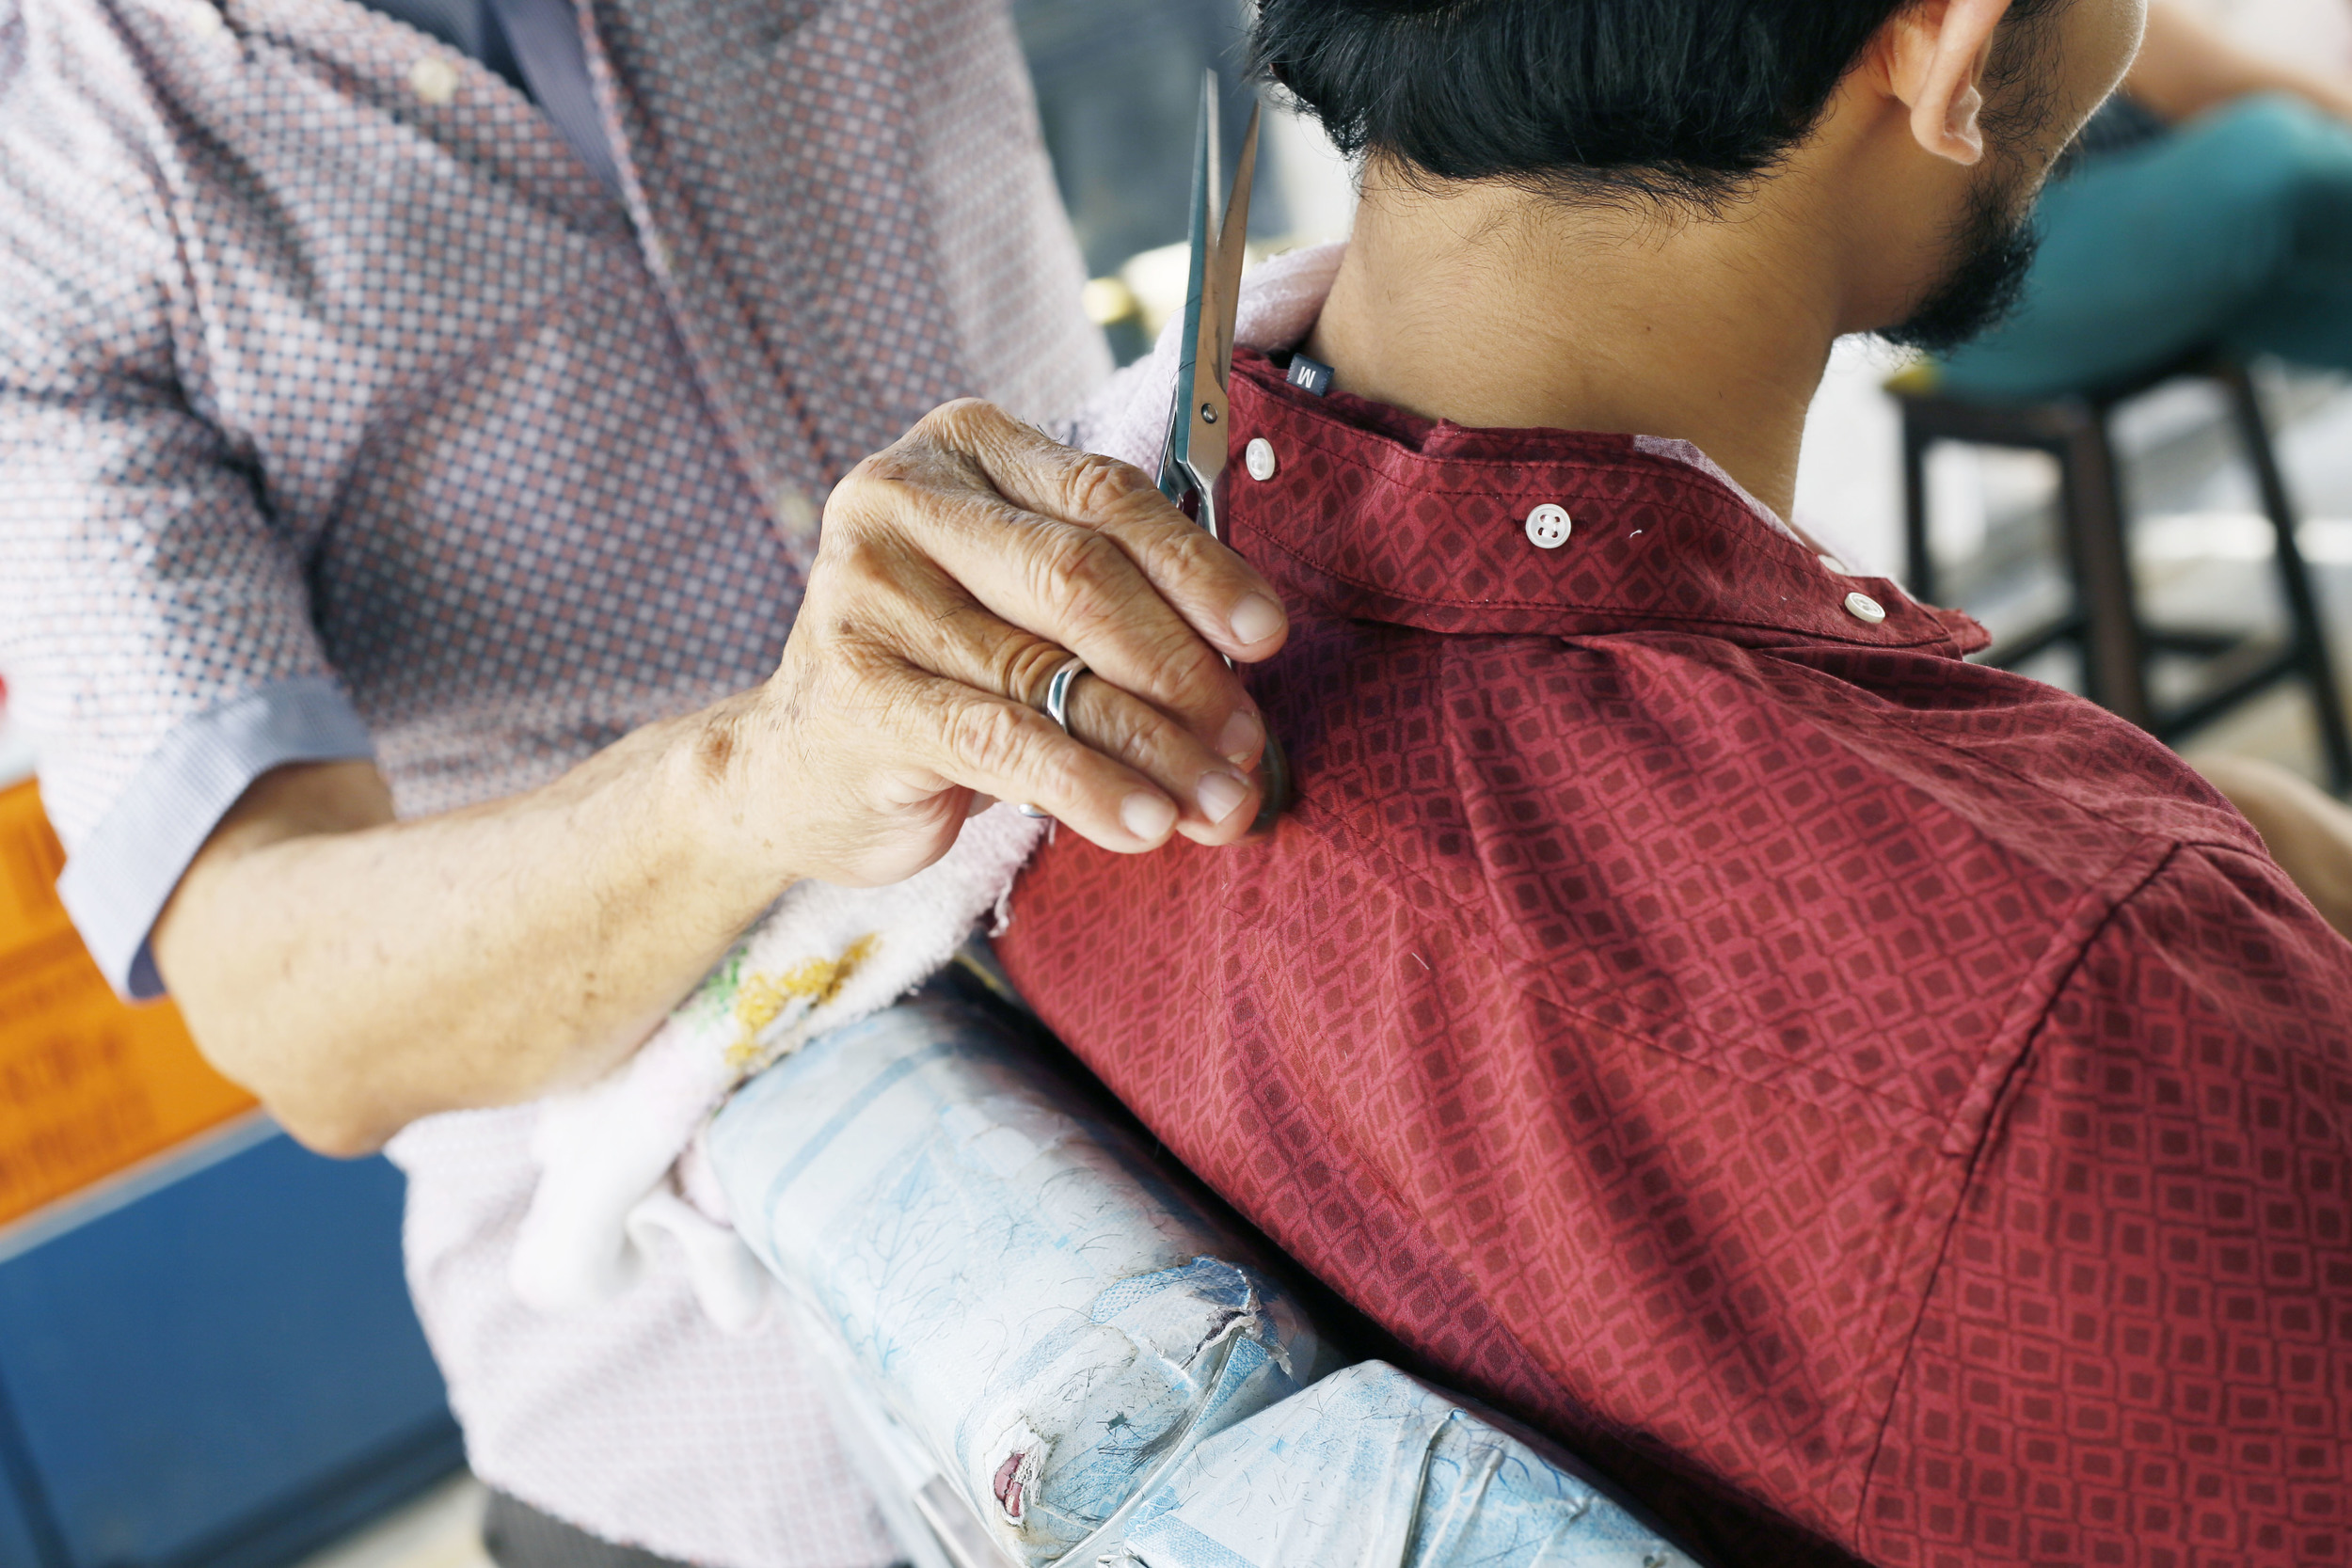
x=207, y=1359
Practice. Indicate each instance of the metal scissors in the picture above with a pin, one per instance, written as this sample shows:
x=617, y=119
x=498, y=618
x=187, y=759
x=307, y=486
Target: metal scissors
x=1199, y=416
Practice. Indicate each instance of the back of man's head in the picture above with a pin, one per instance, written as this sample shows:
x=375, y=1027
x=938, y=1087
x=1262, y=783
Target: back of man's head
x=1681, y=99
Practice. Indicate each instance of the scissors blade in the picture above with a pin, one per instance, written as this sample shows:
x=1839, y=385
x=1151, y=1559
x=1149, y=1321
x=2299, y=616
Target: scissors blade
x=1200, y=417
x=1176, y=478
x=1212, y=346
x=1221, y=288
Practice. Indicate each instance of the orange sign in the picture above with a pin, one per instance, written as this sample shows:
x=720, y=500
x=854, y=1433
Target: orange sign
x=89, y=1083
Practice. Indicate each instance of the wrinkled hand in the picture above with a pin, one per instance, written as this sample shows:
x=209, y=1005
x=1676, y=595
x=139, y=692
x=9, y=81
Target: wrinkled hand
x=957, y=571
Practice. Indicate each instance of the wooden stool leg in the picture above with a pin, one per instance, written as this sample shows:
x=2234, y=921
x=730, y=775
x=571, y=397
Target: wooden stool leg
x=1919, y=562
x=2114, y=655
x=2308, y=631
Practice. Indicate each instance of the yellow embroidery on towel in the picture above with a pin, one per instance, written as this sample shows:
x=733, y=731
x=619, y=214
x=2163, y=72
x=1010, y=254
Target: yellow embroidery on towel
x=762, y=998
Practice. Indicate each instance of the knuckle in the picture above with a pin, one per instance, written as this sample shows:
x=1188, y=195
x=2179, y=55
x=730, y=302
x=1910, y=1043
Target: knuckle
x=861, y=506
x=1086, y=577
x=1184, y=557
x=1099, y=485
x=931, y=454
x=1190, y=552
x=1187, y=679
x=964, y=423
x=1119, y=726
x=857, y=488
x=1023, y=666
x=991, y=739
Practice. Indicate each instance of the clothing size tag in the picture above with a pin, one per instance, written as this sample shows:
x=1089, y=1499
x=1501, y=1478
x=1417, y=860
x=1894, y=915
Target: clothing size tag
x=1313, y=374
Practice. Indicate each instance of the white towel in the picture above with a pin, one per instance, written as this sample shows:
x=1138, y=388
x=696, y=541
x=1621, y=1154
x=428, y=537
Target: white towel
x=823, y=957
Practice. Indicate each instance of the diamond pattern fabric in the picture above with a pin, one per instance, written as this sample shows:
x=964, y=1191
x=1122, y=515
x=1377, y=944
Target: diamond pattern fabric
x=1881, y=1108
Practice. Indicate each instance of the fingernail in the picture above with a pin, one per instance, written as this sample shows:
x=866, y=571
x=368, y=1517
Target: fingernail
x=1220, y=794
x=1255, y=619
x=1147, y=816
x=1239, y=740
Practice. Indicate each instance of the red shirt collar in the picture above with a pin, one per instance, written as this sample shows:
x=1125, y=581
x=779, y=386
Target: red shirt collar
x=1376, y=514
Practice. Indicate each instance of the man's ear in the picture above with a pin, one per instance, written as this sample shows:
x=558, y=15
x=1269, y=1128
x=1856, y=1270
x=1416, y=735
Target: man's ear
x=1937, y=52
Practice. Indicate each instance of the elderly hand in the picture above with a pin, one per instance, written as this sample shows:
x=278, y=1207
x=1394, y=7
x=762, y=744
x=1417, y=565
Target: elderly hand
x=359, y=972
x=958, y=571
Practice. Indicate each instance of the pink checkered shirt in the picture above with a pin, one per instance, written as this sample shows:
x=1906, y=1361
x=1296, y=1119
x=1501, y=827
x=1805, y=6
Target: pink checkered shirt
x=345, y=413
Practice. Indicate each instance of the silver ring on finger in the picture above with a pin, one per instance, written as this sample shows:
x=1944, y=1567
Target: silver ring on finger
x=1056, y=705
x=1057, y=691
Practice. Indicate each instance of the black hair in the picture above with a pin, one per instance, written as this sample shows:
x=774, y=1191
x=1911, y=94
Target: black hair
x=1674, y=99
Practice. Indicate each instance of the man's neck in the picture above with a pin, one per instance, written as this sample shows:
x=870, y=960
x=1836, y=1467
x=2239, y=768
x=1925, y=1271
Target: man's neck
x=1489, y=307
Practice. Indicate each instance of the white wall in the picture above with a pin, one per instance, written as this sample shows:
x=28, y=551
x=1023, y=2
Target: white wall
x=1318, y=185
x=16, y=752
x=2311, y=34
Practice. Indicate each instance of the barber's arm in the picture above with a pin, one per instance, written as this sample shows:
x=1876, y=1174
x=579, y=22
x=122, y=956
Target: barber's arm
x=357, y=972
x=2186, y=67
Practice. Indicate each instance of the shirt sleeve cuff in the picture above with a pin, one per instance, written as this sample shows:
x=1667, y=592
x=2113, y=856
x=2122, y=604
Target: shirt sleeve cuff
x=120, y=877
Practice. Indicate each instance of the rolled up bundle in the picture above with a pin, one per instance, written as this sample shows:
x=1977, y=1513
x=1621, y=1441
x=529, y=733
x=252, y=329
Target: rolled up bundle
x=1053, y=1320
x=1371, y=1466
x=1103, y=1373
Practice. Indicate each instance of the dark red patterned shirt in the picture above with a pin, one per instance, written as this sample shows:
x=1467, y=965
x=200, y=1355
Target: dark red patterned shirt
x=1877, y=1105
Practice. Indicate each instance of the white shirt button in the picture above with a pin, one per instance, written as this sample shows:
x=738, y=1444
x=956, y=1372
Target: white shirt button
x=1831, y=564
x=204, y=19
x=1865, y=608
x=434, y=80
x=1259, y=458
x=1547, y=526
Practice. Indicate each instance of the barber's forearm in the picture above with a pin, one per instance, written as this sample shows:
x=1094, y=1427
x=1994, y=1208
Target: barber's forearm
x=356, y=972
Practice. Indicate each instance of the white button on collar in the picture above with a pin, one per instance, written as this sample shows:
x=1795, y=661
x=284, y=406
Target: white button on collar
x=1257, y=457
x=1865, y=608
x=1831, y=564
x=1547, y=526
x=434, y=80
